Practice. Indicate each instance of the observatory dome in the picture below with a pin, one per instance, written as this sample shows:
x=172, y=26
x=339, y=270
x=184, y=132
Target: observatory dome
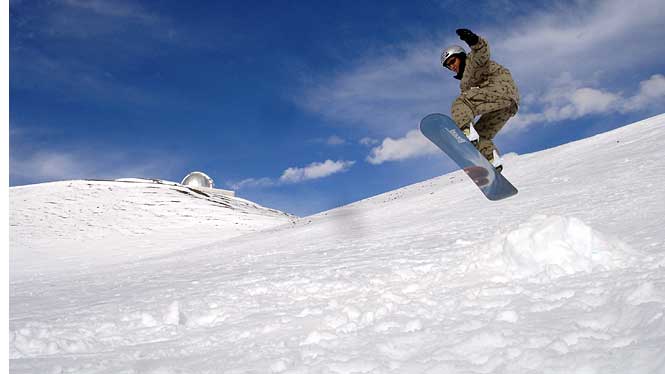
x=197, y=179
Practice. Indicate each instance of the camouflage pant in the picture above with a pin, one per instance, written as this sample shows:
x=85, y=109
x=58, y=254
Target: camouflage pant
x=494, y=112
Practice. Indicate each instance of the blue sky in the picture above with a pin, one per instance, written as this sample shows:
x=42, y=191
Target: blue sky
x=305, y=106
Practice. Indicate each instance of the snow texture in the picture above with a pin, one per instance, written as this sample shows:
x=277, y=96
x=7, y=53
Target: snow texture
x=140, y=277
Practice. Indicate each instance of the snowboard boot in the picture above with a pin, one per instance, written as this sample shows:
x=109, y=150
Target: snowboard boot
x=471, y=134
x=496, y=161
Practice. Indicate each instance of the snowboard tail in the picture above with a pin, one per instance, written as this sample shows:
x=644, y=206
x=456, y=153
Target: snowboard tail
x=444, y=133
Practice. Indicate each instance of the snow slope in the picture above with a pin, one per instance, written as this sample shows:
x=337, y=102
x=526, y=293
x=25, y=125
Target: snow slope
x=566, y=277
x=69, y=225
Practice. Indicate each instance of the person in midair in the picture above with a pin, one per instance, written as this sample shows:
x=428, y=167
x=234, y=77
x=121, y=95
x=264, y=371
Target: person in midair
x=487, y=90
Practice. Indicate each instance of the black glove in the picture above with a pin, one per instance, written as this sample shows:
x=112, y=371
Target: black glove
x=468, y=36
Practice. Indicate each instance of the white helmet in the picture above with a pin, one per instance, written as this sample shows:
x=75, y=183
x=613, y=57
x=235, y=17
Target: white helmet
x=450, y=51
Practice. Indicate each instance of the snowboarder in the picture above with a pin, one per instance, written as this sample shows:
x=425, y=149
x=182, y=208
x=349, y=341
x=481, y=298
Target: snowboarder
x=487, y=90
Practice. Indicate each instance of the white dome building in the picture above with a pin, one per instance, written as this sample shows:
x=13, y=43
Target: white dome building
x=201, y=181
x=198, y=179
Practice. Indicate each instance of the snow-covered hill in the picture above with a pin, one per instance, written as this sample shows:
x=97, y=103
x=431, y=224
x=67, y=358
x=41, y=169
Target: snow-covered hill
x=66, y=225
x=566, y=277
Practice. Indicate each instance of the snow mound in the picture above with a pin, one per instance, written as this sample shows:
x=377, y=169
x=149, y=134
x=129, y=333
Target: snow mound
x=553, y=246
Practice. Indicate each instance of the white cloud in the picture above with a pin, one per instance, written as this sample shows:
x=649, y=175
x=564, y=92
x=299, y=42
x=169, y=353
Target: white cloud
x=651, y=91
x=588, y=100
x=576, y=103
x=314, y=170
x=569, y=101
x=413, y=144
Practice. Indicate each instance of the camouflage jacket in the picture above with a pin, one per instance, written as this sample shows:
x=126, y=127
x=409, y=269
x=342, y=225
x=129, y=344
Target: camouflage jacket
x=486, y=74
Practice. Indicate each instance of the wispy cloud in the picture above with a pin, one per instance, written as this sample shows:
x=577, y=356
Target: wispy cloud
x=55, y=165
x=335, y=140
x=332, y=140
x=117, y=9
x=367, y=141
x=77, y=48
x=72, y=79
x=251, y=183
x=386, y=93
x=586, y=39
x=90, y=19
x=35, y=158
x=292, y=175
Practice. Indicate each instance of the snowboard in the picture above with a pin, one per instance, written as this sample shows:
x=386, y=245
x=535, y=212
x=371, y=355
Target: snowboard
x=444, y=133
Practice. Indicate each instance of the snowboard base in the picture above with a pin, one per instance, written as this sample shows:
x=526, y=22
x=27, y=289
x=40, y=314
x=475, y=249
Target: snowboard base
x=444, y=133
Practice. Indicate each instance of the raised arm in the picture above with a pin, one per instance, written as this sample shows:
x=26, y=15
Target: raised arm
x=480, y=51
